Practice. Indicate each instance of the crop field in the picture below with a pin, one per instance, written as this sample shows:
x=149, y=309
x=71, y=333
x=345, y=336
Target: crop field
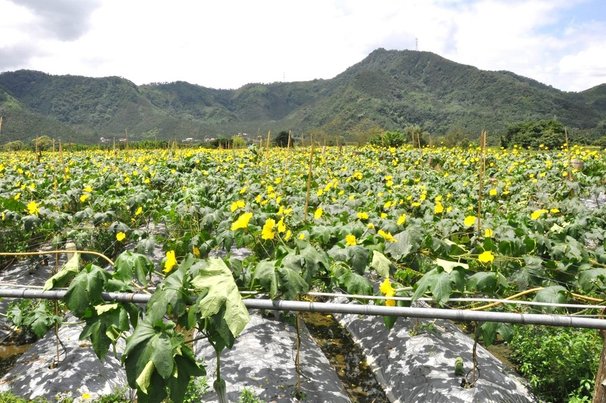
x=405, y=222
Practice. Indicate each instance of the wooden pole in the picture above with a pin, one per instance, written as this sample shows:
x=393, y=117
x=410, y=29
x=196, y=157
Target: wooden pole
x=309, y=176
x=481, y=179
x=599, y=392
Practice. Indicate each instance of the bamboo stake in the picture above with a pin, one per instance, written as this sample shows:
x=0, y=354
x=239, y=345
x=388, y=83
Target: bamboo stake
x=481, y=179
x=309, y=176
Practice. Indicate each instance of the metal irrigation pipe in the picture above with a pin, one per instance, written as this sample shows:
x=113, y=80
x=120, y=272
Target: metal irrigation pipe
x=356, y=309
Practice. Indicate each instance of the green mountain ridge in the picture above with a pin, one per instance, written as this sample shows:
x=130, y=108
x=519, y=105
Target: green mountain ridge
x=388, y=90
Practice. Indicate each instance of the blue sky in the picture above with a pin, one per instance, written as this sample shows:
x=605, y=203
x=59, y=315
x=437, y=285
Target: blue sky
x=230, y=43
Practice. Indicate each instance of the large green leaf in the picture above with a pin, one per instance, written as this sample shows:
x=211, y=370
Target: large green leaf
x=221, y=289
x=85, y=289
x=105, y=327
x=355, y=283
x=448, y=265
x=291, y=283
x=130, y=264
x=65, y=275
x=489, y=331
x=359, y=257
x=483, y=282
x=554, y=295
x=439, y=283
x=170, y=297
x=266, y=274
x=592, y=279
x=406, y=242
x=380, y=263
x=11, y=204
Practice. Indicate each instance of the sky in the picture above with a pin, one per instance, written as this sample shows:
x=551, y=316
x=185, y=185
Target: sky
x=229, y=43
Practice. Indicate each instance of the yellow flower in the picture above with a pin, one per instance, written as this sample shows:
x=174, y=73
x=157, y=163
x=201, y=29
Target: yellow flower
x=402, y=219
x=318, y=213
x=86, y=395
x=383, y=215
x=370, y=225
x=554, y=210
x=362, y=215
x=88, y=189
x=171, y=261
x=139, y=211
x=488, y=233
x=242, y=221
x=281, y=226
x=268, y=229
x=538, y=214
x=288, y=235
x=469, y=221
x=387, y=290
x=486, y=257
x=32, y=207
x=84, y=197
x=17, y=196
x=301, y=236
x=387, y=236
x=237, y=204
x=492, y=192
x=196, y=251
x=439, y=208
x=350, y=240
x=120, y=236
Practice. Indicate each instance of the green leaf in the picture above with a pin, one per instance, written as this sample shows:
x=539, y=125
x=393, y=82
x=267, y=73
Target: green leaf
x=41, y=320
x=441, y=288
x=187, y=367
x=389, y=321
x=355, y=283
x=221, y=289
x=65, y=275
x=592, y=279
x=162, y=355
x=104, y=328
x=401, y=248
x=144, y=331
x=359, y=257
x=483, y=282
x=489, y=331
x=11, y=204
x=130, y=264
x=554, y=295
x=265, y=273
x=85, y=289
x=449, y=265
x=380, y=263
x=144, y=378
x=439, y=282
x=291, y=283
x=170, y=297
x=425, y=283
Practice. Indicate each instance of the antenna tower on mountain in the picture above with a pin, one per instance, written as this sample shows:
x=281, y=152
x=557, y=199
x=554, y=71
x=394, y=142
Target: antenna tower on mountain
x=417, y=44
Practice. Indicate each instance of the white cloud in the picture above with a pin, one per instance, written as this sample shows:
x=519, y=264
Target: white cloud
x=227, y=44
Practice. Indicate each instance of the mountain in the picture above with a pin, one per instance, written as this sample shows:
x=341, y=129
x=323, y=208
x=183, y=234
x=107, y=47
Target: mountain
x=388, y=90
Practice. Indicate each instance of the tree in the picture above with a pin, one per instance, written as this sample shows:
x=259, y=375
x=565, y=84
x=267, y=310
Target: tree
x=42, y=143
x=282, y=139
x=238, y=141
x=550, y=133
x=389, y=139
x=416, y=135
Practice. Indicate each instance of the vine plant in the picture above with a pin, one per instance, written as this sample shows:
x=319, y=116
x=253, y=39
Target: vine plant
x=196, y=295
